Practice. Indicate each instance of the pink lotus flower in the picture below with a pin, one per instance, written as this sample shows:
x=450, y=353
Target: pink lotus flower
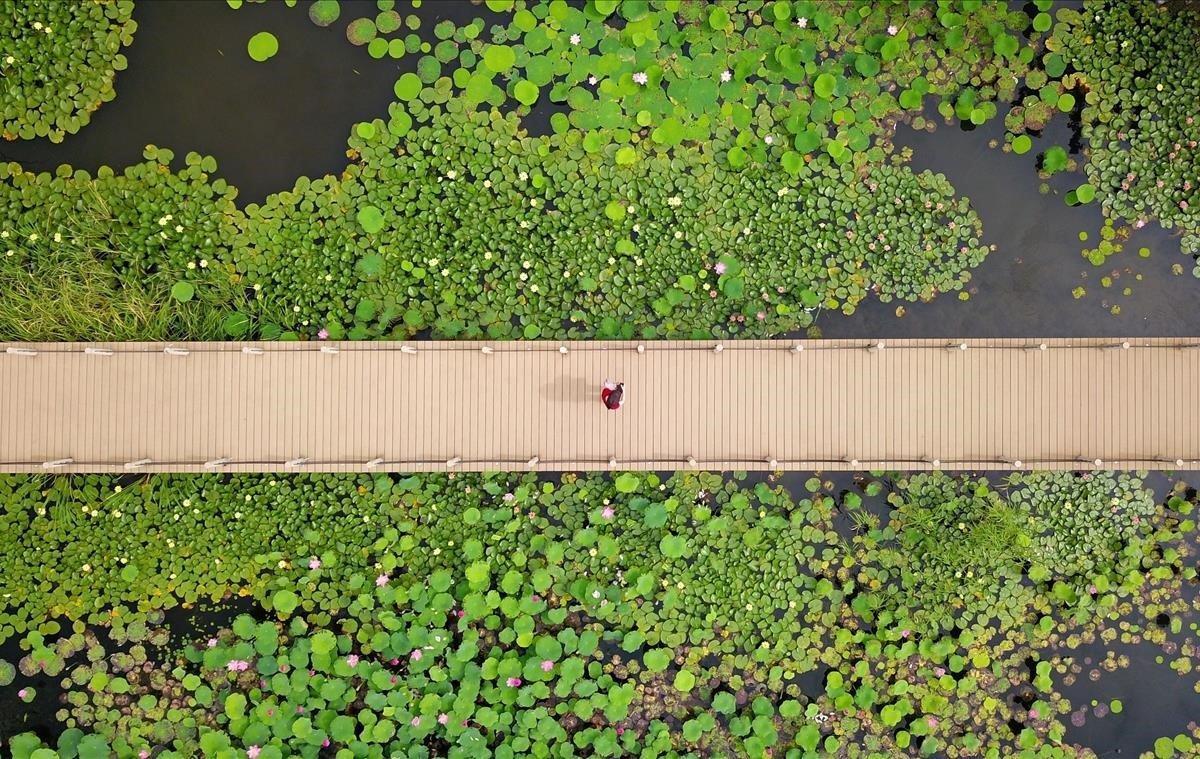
x=323, y=334
x=352, y=660
x=325, y=743
x=608, y=512
x=760, y=316
x=237, y=665
x=416, y=655
x=143, y=754
x=1033, y=713
x=514, y=682
x=620, y=731
x=720, y=267
x=932, y=722
x=547, y=665
x=460, y=613
x=508, y=497
x=443, y=719
x=212, y=642
x=939, y=671
x=905, y=633
x=314, y=563
x=21, y=693
x=381, y=580
x=299, y=710
x=416, y=722
x=253, y=752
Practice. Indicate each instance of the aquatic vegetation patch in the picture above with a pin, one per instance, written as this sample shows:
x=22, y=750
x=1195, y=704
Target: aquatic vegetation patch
x=545, y=237
x=100, y=257
x=489, y=615
x=1129, y=70
x=57, y=63
x=764, y=81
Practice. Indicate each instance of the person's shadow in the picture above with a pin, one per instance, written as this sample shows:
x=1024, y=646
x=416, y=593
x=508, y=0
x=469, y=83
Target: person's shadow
x=566, y=389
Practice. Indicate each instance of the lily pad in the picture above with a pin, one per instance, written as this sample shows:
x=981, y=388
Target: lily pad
x=262, y=46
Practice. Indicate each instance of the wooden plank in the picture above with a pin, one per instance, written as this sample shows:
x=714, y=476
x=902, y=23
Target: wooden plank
x=838, y=405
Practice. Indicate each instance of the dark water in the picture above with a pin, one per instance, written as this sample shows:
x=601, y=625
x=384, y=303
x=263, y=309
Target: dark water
x=190, y=86
x=1156, y=701
x=1023, y=288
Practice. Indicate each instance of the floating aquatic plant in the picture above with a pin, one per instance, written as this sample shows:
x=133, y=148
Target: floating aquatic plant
x=57, y=63
x=496, y=612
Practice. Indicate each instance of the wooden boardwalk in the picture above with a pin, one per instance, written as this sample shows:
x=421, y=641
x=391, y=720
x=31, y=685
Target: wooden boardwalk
x=436, y=406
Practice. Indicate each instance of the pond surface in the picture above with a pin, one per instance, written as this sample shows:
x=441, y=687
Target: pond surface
x=190, y=87
x=1023, y=288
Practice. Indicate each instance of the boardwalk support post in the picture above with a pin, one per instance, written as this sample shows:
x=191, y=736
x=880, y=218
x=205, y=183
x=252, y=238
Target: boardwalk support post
x=374, y=463
x=1018, y=465
x=454, y=461
x=533, y=462
x=251, y=350
x=407, y=349
x=562, y=349
x=136, y=464
x=1038, y=347
x=56, y=463
x=486, y=350
x=691, y=461
x=20, y=351
x=213, y=464
x=797, y=348
x=854, y=463
x=295, y=462
x=329, y=349
x=718, y=348
x=937, y=463
x=875, y=347
x=641, y=349
x=773, y=464
x=171, y=350
x=97, y=352
x=612, y=463
x=956, y=347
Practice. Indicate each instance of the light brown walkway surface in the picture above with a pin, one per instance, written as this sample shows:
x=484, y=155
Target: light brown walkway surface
x=836, y=404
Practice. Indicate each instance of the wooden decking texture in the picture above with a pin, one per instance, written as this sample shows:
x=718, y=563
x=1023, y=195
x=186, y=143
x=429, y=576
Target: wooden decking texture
x=433, y=406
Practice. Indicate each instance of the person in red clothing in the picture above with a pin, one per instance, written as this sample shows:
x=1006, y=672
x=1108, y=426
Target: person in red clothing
x=612, y=394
